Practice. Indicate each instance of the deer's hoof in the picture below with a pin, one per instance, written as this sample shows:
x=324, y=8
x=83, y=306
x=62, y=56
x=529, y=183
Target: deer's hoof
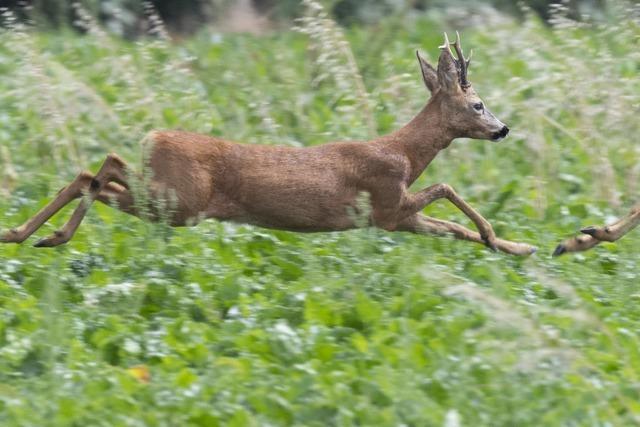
x=43, y=243
x=591, y=231
x=58, y=238
x=521, y=249
x=603, y=234
x=560, y=249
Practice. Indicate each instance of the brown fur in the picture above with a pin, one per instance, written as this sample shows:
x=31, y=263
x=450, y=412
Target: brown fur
x=302, y=189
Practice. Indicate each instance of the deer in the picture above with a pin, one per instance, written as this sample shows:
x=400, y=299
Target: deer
x=300, y=189
x=593, y=235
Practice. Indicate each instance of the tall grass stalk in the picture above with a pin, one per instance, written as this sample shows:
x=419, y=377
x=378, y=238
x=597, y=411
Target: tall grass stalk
x=335, y=61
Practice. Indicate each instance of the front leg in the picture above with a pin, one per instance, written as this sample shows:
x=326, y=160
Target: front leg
x=413, y=203
x=615, y=231
x=421, y=224
x=113, y=169
x=575, y=244
x=595, y=235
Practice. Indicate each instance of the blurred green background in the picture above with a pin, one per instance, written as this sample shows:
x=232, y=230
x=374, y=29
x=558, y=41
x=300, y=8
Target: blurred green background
x=135, y=324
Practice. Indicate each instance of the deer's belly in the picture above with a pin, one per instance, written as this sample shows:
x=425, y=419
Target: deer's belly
x=299, y=208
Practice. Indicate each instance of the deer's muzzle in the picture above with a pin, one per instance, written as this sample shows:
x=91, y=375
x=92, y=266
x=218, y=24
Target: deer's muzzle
x=497, y=136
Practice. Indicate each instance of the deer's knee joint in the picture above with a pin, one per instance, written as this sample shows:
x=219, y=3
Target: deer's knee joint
x=442, y=189
x=83, y=178
x=85, y=175
x=446, y=189
x=114, y=158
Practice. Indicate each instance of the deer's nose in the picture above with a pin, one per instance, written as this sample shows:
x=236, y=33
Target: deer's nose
x=501, y=133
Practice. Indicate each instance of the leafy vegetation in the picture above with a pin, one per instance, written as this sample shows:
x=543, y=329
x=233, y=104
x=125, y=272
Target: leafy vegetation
x=140, y=324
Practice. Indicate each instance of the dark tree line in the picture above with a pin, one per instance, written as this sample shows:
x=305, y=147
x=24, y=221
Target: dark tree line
x=186, y=16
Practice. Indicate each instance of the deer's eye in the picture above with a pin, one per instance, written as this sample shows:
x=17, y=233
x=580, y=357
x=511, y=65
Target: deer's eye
x=478, y=106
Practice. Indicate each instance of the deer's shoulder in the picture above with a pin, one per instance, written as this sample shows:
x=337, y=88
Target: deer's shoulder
x=371, y=159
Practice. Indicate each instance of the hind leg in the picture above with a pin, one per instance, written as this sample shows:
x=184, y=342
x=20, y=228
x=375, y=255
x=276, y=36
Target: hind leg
x=65, y=196
x=118, y=197
x=114, y=169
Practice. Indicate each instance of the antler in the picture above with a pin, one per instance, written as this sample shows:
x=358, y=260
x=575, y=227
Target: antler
x=462, y=64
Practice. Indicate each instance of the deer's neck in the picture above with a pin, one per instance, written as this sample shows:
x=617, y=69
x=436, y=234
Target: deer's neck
x=421, y=139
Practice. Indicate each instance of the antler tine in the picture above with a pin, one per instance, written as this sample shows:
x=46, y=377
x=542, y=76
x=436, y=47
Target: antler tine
x=458, y=48
x=457, y=40
x=446, y=44
x=462, y=62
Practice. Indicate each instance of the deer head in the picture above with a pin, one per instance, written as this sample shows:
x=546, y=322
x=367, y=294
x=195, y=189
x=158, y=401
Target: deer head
x=465, y=113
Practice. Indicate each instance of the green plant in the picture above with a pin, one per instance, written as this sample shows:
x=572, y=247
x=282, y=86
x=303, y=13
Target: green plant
x=243, y=326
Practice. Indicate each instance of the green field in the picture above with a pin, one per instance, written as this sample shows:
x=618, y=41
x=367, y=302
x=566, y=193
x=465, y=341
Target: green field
x=242, y=326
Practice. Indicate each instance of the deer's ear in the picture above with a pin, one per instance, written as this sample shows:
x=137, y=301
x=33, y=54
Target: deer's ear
x=429, y=74
x=448, y=70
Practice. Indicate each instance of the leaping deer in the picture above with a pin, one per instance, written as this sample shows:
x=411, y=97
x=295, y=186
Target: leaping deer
x=301, y=189
x=594, y=235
